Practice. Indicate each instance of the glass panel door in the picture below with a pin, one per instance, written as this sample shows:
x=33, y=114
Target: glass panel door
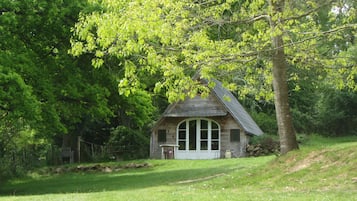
x=198, y=134
x=204, y=135
x=214, y=136
x=192, y=135
x=182, y=136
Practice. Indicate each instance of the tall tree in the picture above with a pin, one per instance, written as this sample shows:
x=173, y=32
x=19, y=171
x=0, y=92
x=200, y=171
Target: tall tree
x=251, y=42
x=285, y=124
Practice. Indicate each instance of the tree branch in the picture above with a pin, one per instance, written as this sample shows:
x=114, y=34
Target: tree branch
x=309, y=12
x=346, y=26
x=4, y=115
x=320, y=34
x=213, y=22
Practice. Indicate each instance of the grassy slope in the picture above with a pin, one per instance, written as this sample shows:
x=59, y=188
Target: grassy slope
x=324, y=170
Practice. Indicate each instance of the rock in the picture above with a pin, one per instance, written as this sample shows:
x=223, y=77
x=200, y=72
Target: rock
x=58, y=170
x=107, y=170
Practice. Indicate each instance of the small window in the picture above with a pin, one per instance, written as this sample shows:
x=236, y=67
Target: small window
x=161, y=136
x=235, y=135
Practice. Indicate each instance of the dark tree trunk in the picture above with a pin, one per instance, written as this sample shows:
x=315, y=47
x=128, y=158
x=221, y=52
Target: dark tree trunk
x=286, y=130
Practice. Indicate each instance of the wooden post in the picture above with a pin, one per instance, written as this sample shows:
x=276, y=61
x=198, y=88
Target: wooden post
x=92, y=149
x=79, y=149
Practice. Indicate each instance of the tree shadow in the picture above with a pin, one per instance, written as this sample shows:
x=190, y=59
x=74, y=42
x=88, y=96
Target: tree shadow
x=99, y=182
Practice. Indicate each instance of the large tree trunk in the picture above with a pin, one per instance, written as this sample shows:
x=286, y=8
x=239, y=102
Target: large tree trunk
x=286, y=130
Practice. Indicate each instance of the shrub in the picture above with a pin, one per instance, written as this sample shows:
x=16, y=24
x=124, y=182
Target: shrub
x=337, y=113
x=126, y=143
x=267, y=122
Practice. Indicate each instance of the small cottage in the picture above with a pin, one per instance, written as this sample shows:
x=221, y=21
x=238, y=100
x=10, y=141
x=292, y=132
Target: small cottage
x=203, y=128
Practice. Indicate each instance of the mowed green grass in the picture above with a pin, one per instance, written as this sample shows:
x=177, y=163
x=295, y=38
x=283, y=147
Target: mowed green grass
x=324, y=169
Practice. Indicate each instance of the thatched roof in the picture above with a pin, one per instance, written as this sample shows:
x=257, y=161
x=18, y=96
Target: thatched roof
x=196, y=107
x=219, y=103
x=236, y=109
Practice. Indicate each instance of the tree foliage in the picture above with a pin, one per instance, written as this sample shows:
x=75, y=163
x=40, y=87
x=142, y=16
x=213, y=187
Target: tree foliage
x=247, y=43
x=337, y=112
x=128, y=144
x=45, y=92
x=207, y=36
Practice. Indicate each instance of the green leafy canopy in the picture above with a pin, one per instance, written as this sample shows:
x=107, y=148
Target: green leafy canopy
x=229, y=39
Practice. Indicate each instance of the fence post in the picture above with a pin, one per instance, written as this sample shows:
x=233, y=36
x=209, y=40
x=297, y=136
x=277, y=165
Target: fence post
x=92, y=150
x=79, y=148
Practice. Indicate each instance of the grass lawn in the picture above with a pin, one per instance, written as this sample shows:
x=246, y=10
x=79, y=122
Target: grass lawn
x=324, y=169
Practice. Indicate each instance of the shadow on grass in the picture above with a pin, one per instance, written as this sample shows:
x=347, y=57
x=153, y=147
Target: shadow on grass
x=98, y=182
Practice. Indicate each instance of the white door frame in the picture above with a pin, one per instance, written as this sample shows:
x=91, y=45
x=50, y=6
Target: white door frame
x=198, y=153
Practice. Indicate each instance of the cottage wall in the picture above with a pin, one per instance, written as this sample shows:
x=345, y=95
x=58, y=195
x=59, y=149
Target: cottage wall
x=168, y=124
x=226, y=123
x=237, y=149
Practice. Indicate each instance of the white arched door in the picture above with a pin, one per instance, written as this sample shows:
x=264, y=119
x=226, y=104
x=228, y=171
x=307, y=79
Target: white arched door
x=198, y=139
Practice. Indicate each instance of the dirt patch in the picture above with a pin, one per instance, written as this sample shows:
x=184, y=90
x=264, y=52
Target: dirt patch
x=200, y=179
x=354, y=180
x=312, y=158
x=96, y=168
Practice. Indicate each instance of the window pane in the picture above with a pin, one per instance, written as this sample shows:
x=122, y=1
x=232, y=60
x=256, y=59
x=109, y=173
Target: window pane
x=182, y=134
x=182, y=125
x=214, y=145
x=204, y=124
x=204, y=135
x=235, y=135
x=204, y=145
x=215, y=134
x=192, y=135
x=161, y=136
x=182, y=145
x=214, y=125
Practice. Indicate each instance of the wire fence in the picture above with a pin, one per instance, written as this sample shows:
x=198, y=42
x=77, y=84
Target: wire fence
x=18, y=161
x=87, y=151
